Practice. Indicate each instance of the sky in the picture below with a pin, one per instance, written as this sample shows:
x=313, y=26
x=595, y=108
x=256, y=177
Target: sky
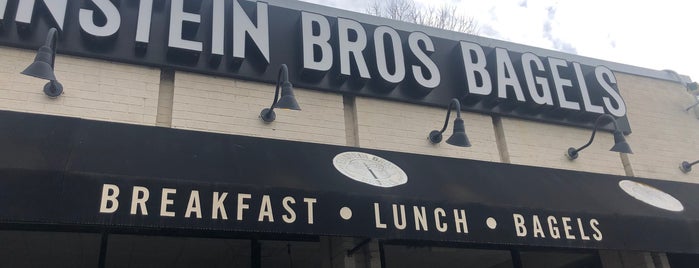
x=659, y=35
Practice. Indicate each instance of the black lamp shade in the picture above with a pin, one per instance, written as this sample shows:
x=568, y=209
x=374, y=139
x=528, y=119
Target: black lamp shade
x=287, y=99
x=620, y=144
x=41, y=67
x=459, y=138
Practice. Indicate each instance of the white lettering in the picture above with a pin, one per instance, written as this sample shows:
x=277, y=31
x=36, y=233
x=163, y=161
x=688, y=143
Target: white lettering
x=109, y=203
x=111, y=27
x=381, y=57
x=350, y=48
x=560, y=82
x=218, y=207
x=266, y=210
x=242, y=205
x=601, y=73
x=582, y=230
x=311, y=41
x=475, y=68
x=145, y=14
x=519, y=225
x=438, y=215
x=309, y=202
x=165, y=201
x=587, y=104
x=460, y=221
x=400, y=224
x=194, y=205
x=218, y=27
x=420, y=218
x=598, y=234
x=243, y=25
x=138, y=200
x=545, y=96
x=25, y=10
x=506, y=75
x=177, y=17
x=553, y=228
x=413, y=42
x=538, y=229
x=377, y=217
x=291, y=216
x=567, y=228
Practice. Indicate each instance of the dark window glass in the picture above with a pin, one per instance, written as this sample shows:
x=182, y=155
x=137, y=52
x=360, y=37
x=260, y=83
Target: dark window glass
x=556, y=259
x=409, y=256
x=683, y=260
x=282, y=254
x=48, y=249
x=176, y=252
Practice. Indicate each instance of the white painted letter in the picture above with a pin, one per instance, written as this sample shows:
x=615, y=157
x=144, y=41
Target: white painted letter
x=420, y=218
x=194, y=205
x=519, y=225
x=291, y=217
x=460, y=221
x=545, y=96
x=400, y=224
x=381, y=57
x=138, y=200
x=242, y=205
x=377, y=217
x=601, y=72
x=311, y=41
x=438, y=215
x=109, y=203
x=110, y=11
x=560, y=82
x=352, y=48
x=266, y=210
x=177, y=16
x=218, y=207
x=413, y=42
x=259, y=34
x=309, y=202
x=165, y=201
x=475, y=67
x=145, y=14
x=507, y=75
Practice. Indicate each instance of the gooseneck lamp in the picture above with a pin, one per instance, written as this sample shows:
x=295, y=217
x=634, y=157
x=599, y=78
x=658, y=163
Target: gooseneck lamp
x=458, y=138
x=43, y=64
x=620, y=144
x=686, y=166
x=287, y=99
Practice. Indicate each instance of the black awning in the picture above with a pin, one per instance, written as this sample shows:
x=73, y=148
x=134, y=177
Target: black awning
x=68, y=171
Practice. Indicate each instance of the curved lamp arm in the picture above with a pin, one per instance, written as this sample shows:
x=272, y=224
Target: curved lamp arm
x=459, y=137
x=620, y=144
x=51, y=39
x=282, y=76
x=454, y=103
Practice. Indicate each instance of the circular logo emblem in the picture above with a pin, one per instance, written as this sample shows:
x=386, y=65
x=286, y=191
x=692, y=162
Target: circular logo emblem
x=369, y=169
x=651, y=195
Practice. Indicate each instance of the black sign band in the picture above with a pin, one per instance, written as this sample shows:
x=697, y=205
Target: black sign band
x=247, y=40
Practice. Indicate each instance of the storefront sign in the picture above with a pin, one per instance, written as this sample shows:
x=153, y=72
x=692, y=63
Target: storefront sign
x=75, y=173
x=248, y=40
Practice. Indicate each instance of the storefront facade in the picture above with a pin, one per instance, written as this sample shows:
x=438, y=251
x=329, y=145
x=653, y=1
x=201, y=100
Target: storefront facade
x=155, y=154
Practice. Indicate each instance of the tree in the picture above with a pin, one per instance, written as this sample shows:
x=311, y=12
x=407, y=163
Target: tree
x=445, y=17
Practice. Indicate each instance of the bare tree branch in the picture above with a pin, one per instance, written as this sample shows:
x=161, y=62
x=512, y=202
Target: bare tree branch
x=446, y=17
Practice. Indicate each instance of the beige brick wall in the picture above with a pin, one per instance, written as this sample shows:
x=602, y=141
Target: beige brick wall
x=404, y=127
x=663, y=133
x=225, y=105
x=93, y=89
x=537, y=144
